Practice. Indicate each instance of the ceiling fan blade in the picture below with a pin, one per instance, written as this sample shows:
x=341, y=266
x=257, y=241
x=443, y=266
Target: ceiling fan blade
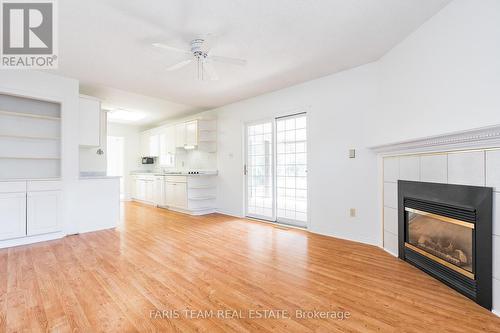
x=210, y=71
x=227, y=60
x=171, y=48
x=179, y=65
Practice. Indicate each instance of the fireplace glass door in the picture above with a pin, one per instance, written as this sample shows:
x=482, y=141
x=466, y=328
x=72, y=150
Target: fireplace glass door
x=445, y=240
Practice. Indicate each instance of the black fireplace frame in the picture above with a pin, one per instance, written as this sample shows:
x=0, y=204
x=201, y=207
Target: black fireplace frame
x=477, y=205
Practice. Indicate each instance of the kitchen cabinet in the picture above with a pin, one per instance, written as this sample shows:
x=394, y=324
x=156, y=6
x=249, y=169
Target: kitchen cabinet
x=167, y=146
x=176, y=194
x=43, y=212
x=149, y=190
x=150, y=144
x=12, y=215
x=144, y=188
x=159, y=191
x=144, y=144
x=154, y=145
x=89, y=115
x=191, y=133
x=180, y=135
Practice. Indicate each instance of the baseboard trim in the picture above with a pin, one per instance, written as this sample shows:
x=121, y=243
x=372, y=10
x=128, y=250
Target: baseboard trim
x=31, y=240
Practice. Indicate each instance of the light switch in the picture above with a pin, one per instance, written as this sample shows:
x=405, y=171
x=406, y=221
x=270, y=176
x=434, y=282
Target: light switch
x=352, y=212
x=352, y=153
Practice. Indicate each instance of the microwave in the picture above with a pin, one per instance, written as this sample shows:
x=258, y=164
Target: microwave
x=148, y=160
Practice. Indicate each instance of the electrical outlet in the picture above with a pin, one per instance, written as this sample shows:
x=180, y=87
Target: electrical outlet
x=352, y=212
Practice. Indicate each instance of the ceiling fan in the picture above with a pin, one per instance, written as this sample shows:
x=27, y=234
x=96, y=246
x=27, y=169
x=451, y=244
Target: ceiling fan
x=200, y=54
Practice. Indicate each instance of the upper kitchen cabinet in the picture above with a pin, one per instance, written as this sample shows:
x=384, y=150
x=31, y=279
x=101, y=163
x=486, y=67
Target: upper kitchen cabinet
x=167, y=146
x=150, y=144
x=90, y=121
x=191, y=133
x=180, y=135
x=154, y=145
x=196, y=134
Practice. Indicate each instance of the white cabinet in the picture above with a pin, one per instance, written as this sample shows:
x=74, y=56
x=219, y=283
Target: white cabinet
x=191, y=133
x=144, y=188
x=154, y=145
x=43, y=212
x=180, y=135
x=176, y=193
x=159, y=191
x=12, y=215
x=167, y=147
x=89, y=115
x=149, y=190
x=145, y=144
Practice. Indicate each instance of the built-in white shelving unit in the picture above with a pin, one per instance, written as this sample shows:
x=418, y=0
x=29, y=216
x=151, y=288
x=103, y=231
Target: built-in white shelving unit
x=30, y=138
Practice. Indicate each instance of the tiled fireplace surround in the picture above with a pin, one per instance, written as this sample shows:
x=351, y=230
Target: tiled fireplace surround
x=453, y=159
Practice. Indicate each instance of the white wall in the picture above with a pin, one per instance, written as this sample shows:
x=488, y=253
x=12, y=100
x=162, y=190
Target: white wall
x=132, y=158
x=45, y=86
x=445, y=77
x=336, y=106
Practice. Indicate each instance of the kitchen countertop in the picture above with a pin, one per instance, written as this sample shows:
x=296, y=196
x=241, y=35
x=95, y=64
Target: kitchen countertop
x=30, y=179
x=99, y=177
x=178, y=173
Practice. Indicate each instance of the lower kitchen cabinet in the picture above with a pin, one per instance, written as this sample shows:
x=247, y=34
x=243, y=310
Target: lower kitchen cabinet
x=43, y=212
x=176, y=194
x=12, y=215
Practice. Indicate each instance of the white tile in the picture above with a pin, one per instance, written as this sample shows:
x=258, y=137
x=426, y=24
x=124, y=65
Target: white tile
x=409, y=168
x=496, y=214
x=466, y=168
x=496, y=257
x=391, y=220
x=496, y=296
x=391, y=169
x=493, y=169
x=434, y=168
x=391, y=195
x=391, y=243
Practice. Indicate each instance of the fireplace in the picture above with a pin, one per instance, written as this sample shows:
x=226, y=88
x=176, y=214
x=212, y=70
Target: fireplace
x=446, y=231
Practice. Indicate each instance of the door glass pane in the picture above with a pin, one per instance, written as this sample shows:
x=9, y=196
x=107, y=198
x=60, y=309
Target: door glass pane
x=260, y=191
x=291, y=170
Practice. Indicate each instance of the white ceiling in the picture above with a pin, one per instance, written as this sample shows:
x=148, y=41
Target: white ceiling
x=107, y=43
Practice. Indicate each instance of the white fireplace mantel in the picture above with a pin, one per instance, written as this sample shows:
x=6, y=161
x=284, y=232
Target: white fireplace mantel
x=484, y=138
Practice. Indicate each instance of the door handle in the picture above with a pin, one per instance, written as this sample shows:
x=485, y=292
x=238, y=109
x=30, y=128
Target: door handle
x=245, y=170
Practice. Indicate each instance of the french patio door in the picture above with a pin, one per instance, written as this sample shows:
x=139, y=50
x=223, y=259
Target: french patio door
x=259, y=170
x=276, y=170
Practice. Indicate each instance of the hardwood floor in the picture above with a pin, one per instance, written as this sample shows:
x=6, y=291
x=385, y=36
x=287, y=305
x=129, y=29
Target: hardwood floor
x=142, y=276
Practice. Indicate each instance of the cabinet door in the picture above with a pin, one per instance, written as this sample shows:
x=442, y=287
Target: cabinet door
x=89, y=122
x=169, y=194
x=144, y=144
x=154, y=145
x=44, y=212
x=180, y=194
x=159, y=191
x=180, y=135
x=166, y=152
x=150, y=191
x=170, y=140
x=192, y=133
x=140, y=189
x=12, y=215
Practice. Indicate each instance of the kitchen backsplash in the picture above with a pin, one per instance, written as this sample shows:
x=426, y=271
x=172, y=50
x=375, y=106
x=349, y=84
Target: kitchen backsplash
x=195, y=159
